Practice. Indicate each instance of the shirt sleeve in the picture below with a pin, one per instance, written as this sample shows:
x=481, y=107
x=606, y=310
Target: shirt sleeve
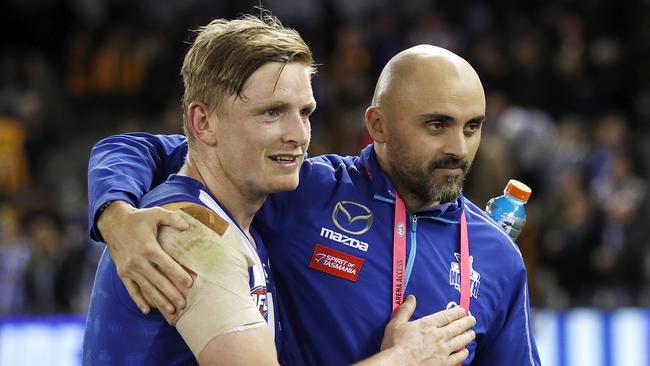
x=511, y=342
x=125, y=167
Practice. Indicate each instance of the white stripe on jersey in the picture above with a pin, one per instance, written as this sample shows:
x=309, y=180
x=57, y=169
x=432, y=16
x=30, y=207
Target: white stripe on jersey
x=530, y=347
x=259, y=279
x=271, y=313
x=324, y=164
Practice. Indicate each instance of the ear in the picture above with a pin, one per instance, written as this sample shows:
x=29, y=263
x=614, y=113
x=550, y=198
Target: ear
x=202, y=123
x=376, y=124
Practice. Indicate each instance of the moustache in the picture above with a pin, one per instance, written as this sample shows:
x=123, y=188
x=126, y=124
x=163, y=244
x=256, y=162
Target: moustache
x=449, y=162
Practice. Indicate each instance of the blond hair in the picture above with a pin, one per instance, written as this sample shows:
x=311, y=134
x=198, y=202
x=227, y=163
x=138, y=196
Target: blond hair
x=226, y=53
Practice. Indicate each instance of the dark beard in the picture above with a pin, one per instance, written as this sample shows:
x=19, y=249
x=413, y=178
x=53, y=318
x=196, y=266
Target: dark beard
x=423, y=187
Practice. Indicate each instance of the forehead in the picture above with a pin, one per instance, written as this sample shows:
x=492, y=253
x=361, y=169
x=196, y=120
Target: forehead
x=429, y=89
x=275, y=81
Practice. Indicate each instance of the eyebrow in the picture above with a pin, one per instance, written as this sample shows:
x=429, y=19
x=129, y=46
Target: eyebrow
x=281, y=106
x=448, y=118
x=271, y=105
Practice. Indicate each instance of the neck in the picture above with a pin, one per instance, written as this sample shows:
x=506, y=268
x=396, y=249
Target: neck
x=240, y=203
x=411, y=201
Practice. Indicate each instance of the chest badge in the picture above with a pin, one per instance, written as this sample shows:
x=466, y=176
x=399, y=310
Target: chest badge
x=454, y=276
x=335, y=262
x=351, y=217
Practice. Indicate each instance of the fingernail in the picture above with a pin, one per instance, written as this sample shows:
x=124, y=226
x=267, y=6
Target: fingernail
x=170, y=309
x=144, y=310
x=180, y=305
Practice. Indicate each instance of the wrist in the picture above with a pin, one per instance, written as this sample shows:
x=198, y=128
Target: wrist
x=109, y=212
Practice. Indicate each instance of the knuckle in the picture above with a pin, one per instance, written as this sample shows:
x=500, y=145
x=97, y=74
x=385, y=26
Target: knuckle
x=437, y=334
x=149, y=251
x=457, y=312
x=462, y=327
x=447, y=348
x=159, y=211
x=450, y=315
x=156, y=298
x=124, y=271
x=128, y=265
x=136, y=215
x=146, y=251
x=131, y=288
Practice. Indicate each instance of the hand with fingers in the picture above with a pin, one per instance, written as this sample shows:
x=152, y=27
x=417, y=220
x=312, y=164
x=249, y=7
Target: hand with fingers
x=152, y=277
x=438, y=339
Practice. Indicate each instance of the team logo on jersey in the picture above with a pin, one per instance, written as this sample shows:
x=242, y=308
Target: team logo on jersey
x=336, y=263
x=351, y=217
x=258, y=293
x=454, y=276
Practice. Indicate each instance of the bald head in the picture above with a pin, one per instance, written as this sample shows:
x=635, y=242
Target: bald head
x=425, y=121
x=420, y=65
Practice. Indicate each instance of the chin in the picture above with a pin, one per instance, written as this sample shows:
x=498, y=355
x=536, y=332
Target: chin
x=284, y=184
x=447, y=194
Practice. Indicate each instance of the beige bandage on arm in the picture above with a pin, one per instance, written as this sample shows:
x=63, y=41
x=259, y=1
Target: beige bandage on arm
x=219, y=300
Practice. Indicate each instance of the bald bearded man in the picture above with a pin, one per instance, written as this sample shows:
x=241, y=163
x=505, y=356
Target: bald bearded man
x=361, y=232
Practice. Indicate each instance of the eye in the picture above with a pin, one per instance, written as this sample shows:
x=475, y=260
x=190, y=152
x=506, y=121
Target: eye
x=306, y=112
x=436, y=125
x=273, y=112
x=472, y=127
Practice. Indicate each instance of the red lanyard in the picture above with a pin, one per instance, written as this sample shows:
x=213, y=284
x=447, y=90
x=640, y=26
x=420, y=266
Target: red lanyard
x=399, y=257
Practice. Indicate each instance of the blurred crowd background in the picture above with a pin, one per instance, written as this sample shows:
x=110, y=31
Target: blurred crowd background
x=568, y=91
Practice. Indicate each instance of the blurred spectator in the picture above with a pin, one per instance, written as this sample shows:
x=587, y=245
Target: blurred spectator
x=529, y=134
x=41, y=289
x=118, y=66
x=14, y=171
x=616, y=259
x=568, y=152
x=14, y=253
x=610, y=137
x=569, y=231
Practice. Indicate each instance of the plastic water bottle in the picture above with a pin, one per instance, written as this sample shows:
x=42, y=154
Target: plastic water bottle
x=508, y=210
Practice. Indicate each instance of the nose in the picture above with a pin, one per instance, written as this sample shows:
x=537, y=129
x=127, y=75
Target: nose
x=456, y=143
x=297, y=129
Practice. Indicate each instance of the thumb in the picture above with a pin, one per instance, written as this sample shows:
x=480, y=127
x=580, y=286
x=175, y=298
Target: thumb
x=172, y=219
x=405, y=310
